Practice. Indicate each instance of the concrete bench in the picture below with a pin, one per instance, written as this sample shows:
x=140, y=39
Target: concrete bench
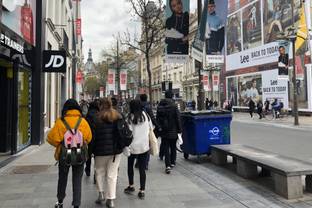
x=286, y=172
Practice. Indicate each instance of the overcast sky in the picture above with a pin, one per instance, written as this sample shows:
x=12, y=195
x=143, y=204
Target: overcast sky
x=101, y=19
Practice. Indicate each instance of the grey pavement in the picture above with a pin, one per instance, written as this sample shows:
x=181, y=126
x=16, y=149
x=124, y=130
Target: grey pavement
x=30, y=181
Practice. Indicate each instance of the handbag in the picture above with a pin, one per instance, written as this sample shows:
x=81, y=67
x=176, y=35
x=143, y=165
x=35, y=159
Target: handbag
x=154, y=149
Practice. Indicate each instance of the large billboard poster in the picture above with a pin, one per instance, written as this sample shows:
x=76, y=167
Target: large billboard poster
x=252, y=25
x=234, y=34
x=274, y=88
x=20, y=16
x=177, y=31
x=215, y=26
x=277, y=17
x=249, y=87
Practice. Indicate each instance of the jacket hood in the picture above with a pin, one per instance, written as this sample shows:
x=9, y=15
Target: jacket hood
x=73, y=113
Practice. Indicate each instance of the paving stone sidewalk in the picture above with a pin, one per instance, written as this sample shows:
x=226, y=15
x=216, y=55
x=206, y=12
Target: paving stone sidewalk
x=30, y=182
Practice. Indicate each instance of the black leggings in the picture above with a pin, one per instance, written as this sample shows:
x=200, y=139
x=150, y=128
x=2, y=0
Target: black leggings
x=141, y=158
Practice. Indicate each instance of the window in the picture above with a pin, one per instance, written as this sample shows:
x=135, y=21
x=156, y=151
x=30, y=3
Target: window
x=164, y=77
x=174, y=77
x=180, y=75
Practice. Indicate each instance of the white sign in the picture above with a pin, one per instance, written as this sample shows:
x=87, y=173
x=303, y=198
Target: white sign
x=197, y=55
x=214, y=59
x=253, y=57
x=11, y=43
x=274, y=88
x=179, y=59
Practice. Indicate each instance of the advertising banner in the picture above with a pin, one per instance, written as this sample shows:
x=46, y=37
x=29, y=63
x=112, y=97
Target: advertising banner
x=215, y=26
x=78, y=26
x=20, y=17
x=252, y=28
x=215, y=82
x=79, y=77
x=283, y=60
x=177, y=31
x=111, y=80
x=234, y=34
x=198, y=44
x=232, y=91
x=274, y=88
x=265, y=54
x=249, y=87
x=205, y=80
x=123, y=80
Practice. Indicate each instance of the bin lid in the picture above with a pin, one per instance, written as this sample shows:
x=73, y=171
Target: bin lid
x=206, y=112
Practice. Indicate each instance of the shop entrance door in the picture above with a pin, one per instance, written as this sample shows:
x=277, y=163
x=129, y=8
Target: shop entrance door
x=6, y=95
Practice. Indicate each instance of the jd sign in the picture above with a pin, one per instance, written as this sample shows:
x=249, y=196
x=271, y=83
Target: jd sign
x=54, y=61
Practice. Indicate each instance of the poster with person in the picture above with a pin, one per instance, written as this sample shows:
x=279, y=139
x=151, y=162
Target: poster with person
x=283, y=60
x=252, y=33
x=215, y=27
x=177, y=31
x=249, y=87
x=234, y=35
x=232, y=90
x=277, y=17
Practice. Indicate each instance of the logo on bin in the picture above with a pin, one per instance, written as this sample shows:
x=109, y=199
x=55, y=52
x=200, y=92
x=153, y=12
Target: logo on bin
x=215, y=131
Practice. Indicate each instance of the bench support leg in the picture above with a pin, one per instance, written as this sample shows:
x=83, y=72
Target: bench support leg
x=308, y=182
x=246, y=170
x=289, y=187
x=218, y=158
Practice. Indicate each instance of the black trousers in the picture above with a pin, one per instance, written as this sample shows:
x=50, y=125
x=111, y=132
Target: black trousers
x=141, y=158
x=162, y=149
x=88, y=162
x=170, y=151
x=77, y=172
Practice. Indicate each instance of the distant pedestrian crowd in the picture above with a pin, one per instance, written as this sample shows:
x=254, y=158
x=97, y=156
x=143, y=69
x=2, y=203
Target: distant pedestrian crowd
x=109, y=131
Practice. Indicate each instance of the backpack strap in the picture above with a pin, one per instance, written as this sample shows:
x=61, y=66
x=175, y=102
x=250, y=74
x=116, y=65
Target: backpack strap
x=68, y=127
x=78, y=124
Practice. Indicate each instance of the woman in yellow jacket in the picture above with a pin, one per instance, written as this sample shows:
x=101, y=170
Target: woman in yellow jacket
x=71, y=113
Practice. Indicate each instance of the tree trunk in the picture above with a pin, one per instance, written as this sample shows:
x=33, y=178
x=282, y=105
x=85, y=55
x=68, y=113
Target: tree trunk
x=149, y=73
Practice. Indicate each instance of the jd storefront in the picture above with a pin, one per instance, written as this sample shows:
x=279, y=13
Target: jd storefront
x=17, y=46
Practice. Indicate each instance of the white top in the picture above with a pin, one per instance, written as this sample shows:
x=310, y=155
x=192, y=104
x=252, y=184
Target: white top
x=140, y=131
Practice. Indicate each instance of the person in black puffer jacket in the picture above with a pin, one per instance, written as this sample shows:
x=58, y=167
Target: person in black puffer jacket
x=91, y=118
x=106, y=151
x=168, y=118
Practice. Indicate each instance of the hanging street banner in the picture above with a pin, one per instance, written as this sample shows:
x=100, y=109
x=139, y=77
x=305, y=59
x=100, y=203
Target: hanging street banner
x=283, y=60
x=78, y=26
x=215, y=82
x=177, y=31
x=198, y=44
x=205, y=80
x=123, y=80
x=111, y=80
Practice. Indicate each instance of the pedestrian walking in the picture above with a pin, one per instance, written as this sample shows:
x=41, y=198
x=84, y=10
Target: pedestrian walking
x=148, y=109
x=168, y=117
x=91, y=117
x=140, y=124
x=252, y=106
x=70, y=127
x=107, y=152
x=84, y=107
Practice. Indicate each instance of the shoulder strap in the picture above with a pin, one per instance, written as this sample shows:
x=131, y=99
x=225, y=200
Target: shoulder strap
x=78, y=124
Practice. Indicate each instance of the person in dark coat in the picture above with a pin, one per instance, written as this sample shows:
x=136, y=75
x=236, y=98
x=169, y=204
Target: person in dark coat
x=107, y=152
x=252, y=106
x=260, y=109
x=91, y=117
x=168, y=117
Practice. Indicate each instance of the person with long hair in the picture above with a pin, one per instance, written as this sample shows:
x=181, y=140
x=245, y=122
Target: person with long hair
x=140, y=124
x=107, y=152
x=71, y=113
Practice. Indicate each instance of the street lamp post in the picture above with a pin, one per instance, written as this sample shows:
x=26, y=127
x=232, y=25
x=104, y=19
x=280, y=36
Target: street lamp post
x=200, y=99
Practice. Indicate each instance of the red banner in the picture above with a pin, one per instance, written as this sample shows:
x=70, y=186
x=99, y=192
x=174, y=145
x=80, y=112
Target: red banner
x=78, y=26
x=79, y=76
x=123, y=80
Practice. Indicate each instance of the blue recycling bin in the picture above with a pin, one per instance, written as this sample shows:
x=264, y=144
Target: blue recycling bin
x=201, y=129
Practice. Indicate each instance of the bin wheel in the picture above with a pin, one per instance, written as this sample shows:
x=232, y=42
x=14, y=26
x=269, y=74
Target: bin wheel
x=186, y=156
